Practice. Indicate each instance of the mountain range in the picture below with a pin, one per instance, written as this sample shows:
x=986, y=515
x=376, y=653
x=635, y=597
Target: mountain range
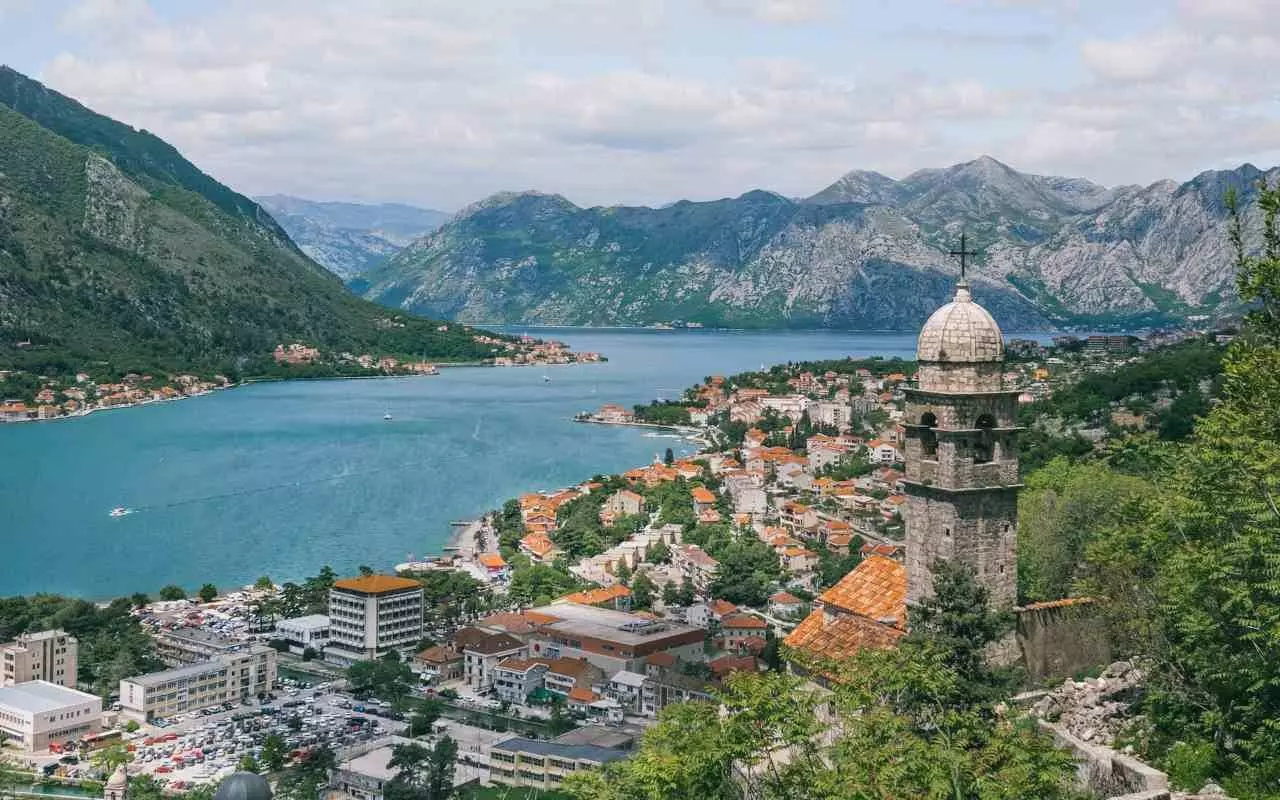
x=867, y=252
x=350, y=238
x=118, y=254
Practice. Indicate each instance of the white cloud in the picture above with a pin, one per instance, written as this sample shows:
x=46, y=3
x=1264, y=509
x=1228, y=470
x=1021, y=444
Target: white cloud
x=441, y=103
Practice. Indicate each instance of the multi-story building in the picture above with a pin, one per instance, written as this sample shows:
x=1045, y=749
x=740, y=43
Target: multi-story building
x=482, y=652
x=514, y=679
x=611, y=640
x=227, y=678
x=50, y=656
x=178, y=646
x=544, y=764
x=311, y=631
x=695, y=564
x=35, y=714
x=371, y=615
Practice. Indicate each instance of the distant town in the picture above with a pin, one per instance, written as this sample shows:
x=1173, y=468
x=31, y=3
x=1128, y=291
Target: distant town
x=46, y=397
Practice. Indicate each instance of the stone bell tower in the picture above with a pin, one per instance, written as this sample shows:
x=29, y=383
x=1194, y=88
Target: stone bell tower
x=962, y=453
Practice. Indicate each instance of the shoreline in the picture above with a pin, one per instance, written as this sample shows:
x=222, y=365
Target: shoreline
x=251, y=381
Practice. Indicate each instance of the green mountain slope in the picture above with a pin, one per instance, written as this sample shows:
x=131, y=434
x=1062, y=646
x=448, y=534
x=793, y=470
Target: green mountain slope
x=116, y=249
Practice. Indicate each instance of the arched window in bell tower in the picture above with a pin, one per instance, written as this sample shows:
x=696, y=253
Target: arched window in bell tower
x=984, y=444
x=929, y=439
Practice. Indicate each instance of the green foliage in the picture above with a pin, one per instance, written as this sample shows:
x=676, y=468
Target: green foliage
x=642, y=589
x=958, y=622
x=666, y=412
x=1062, y=509
x=305, y=779
x=885, y=731
x=424, y=773
x=539, y=581
x=208, y=593
x=248, y=764
x=183, y=275
x=748, y=567
x=113, y=644
x=450, y=595
x=274, y=752
x=172, y=592
x=1191, y=569
x=387, y=678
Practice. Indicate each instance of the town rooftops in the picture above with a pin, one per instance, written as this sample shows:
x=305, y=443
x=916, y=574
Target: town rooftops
x=783, y=598
x=696, y=555
x=575, y=752
x=628, y=678
x=569, y=667
x=594, y=597
x=310, y=622
x=618, y=627
x=722, y=607
x=177, y=673
x=842, y=637
x=516, y=622
x=520, y=664
x=662, y=659
x=39, y=697
x=740, y=621
x=492, y=561
x=583, y=695
x=875, y=589
x=493, y=643
x=702, y=495
x=440, y=654
x=376, y=584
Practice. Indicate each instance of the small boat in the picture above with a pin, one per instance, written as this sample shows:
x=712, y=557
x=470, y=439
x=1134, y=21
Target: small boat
x=386, y=416
x=546, y=379
x=119, y=511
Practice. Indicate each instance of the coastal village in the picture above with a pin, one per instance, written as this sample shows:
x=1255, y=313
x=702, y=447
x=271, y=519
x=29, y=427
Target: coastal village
x=555, y=630
x=26, y=397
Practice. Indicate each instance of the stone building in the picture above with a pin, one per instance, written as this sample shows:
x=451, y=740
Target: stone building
x=962, y=453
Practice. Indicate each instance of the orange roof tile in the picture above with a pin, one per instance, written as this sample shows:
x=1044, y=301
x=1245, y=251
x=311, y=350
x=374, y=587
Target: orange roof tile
x=842, y=637
x=492, y=560
x=592, y=597
x=875, y=589
x=583, y=695
x=723, y=607
x=743, y=621
x=701, y=495
x=376, y=584
x=783, y=597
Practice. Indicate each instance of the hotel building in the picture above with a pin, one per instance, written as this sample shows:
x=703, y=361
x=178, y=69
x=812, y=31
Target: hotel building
x=371, y=615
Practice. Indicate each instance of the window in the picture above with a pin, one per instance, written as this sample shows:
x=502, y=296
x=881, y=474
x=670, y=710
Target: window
x=984, y=444
x=929, y=439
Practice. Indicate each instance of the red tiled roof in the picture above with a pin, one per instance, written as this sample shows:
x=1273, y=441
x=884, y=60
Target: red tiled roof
x=842, y=637
x=723, y=607
x=592, y=597
x=583, y=695
x=743, y=621
x=875, y=589
x=784, y=598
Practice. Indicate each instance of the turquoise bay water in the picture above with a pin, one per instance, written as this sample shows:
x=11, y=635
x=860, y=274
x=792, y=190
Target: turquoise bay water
x=282, y=478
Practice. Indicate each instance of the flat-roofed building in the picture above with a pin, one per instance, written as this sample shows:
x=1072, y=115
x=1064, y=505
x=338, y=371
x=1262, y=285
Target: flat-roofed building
x=50, y=656
x=611, y=640
x=372, y=615
x=228, y=678
x=177, y=646
x=35, y=714
x=311, y=631
x=545, y=764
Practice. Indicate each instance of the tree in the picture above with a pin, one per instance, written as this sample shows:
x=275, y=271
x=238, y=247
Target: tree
x=309, y=654
x=424, y=716
x=658, y=553
x=365, y=570
x=110, y=757
x=387, y=678
x=959, y=622
x=264, y=584
x=670, y=595
x=172, y=592
x=668, y=457
x=642, y=589
x=139, y=599
x=885, y=733
x=624, y=573
x=248, y=764
x=208, y=593
x=424, y=773
x=305, y=780
x=274, y=752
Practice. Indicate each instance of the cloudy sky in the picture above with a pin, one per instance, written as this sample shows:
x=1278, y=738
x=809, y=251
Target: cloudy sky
x=442, y=102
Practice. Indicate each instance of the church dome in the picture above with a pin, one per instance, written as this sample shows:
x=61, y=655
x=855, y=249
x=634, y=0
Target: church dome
x=961, y=332
x=118, y=781
x=243, y=786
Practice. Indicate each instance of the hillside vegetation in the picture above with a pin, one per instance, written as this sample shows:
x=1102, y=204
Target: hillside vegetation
x=117, y=255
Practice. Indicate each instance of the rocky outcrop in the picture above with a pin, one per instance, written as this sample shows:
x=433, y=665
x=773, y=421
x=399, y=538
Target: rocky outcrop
x=867, y=252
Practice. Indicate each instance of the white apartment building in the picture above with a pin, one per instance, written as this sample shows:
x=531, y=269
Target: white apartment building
x=36, y=713
x=303, y=632
x=371, y=615
x=50, y=656
x=227, y=678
